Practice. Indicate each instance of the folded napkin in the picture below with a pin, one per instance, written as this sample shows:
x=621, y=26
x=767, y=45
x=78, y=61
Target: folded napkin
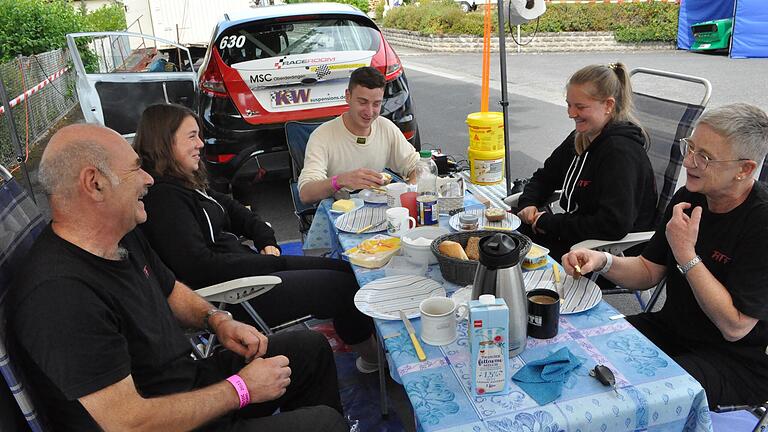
x=543, y=379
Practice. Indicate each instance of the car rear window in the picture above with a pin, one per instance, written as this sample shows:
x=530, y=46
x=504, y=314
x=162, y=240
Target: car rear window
x=267, y=39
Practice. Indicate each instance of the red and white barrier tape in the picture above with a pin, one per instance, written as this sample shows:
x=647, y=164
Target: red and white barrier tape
x=20, y=98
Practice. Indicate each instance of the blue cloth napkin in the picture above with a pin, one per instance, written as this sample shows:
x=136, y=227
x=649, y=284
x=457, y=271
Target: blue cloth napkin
x=543, y=379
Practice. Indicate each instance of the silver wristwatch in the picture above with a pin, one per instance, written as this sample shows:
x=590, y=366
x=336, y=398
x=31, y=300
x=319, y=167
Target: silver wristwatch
x=685, y=268
x=209, y=314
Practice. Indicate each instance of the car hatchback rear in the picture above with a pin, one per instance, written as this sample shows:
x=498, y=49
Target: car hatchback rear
x=283, y=63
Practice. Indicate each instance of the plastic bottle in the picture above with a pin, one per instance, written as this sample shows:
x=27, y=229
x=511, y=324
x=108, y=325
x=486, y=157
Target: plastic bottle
x=426, y=188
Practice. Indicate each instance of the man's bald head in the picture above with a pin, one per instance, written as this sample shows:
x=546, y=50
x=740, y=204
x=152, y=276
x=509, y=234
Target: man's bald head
x=70, y=150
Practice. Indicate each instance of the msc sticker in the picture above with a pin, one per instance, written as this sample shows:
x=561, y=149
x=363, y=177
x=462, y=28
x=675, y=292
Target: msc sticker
x=260, y=78
x=270, y=78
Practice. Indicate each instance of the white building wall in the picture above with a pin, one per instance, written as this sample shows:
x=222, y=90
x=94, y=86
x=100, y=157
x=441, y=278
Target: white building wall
x=195, y=19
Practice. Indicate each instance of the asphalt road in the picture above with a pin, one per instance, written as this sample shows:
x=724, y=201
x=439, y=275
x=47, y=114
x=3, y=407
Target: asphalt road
x=446, y=87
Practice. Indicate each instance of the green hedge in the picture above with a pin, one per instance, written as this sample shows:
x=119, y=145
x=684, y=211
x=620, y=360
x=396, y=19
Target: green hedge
x=631, y=22
x=35, y=26
x=106, y=18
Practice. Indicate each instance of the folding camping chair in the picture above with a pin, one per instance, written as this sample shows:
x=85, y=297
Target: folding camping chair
x=296, y=135
x=20, y=224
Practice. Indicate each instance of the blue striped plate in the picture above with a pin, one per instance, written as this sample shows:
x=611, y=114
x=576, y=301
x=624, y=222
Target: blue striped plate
x=580, y=295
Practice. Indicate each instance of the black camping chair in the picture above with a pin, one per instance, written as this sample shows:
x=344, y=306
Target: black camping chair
x=296, y=135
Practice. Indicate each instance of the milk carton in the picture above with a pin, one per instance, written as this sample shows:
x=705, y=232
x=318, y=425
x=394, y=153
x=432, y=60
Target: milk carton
x=487, y=331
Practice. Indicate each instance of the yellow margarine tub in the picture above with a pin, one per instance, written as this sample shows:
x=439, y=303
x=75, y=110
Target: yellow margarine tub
x=536, y=258
x=374, y=252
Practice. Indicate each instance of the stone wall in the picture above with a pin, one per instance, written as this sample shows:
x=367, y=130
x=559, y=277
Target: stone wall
x=544, y=42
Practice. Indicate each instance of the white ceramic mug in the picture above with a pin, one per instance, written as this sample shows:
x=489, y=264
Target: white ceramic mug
x=394, y=190
x=398, y=221
x=439, y=316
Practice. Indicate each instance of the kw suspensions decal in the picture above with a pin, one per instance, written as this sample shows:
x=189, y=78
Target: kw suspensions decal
x=301, y=96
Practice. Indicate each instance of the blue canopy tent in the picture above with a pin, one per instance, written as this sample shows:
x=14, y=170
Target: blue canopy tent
x=750, y=24
x=750, y=29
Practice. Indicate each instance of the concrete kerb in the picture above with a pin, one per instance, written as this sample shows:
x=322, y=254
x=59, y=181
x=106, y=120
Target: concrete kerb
x=544, y=42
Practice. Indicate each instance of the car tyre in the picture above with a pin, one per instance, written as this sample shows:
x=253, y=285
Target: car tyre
x=465, y=7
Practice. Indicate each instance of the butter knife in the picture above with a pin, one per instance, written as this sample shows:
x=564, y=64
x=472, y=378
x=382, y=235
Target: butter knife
x=411, y=332
x=558, y=282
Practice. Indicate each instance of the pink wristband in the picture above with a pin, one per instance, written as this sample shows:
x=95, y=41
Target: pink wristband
x=335, y=183
x=241, y=389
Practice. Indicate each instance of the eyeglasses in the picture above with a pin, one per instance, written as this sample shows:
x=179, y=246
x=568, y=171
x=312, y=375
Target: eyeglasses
x=700, y=160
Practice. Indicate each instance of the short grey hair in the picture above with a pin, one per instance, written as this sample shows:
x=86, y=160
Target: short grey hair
x=744, y=126
x=58, y=172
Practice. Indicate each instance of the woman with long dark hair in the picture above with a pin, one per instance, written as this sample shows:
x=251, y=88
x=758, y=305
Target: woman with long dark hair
x=197, y=232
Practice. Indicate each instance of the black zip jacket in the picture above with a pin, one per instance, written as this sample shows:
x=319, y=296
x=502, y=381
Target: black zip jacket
x=608, y=192
x=198, y=236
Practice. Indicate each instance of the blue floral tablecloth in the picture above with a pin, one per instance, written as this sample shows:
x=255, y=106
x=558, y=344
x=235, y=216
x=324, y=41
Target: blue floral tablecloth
x=654, y=393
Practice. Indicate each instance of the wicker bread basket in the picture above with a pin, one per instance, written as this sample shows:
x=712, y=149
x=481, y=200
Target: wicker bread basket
x=454, y=270
x=462, y=272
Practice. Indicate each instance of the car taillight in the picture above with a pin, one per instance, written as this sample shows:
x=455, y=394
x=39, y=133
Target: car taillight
x=212, y=83
x=386, y=61
x=220, y=158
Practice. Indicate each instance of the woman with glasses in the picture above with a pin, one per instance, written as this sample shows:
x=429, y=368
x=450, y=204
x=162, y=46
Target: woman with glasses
x=607, y=181
x=197, y=233
x=711, y=247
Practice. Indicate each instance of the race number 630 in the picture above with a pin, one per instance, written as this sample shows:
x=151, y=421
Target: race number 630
x=232, y=42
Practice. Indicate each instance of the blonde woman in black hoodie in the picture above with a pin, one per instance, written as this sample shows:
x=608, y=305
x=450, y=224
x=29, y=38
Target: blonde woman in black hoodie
x=607, y=181
x=196, y=232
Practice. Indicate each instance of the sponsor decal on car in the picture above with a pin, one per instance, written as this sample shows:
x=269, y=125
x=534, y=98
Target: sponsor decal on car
x=302, y=96
x=334, y=67
x=285, y=61
x=302, y=81
x=261, y=72
x=260, y=78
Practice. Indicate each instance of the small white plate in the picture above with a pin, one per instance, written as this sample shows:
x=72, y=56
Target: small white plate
x=509, y=223
x=372, y=196
x=358, y=203
x=354, y=221
x=580, y=295
x=385, y=297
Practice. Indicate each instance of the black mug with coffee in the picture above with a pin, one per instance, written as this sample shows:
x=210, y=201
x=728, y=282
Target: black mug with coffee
x=543, y=313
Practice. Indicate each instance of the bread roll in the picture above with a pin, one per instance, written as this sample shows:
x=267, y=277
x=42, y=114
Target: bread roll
x=473, y=248
x=494, y=214
x=452, y=249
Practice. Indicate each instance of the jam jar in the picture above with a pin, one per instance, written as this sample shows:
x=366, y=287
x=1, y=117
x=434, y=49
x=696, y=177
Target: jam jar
x=468, y=222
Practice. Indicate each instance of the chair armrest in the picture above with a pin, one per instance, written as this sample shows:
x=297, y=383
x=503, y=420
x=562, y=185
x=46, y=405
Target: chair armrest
x=512, y=199
x=615, y=247
x=238, y=290
x=515, y=197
